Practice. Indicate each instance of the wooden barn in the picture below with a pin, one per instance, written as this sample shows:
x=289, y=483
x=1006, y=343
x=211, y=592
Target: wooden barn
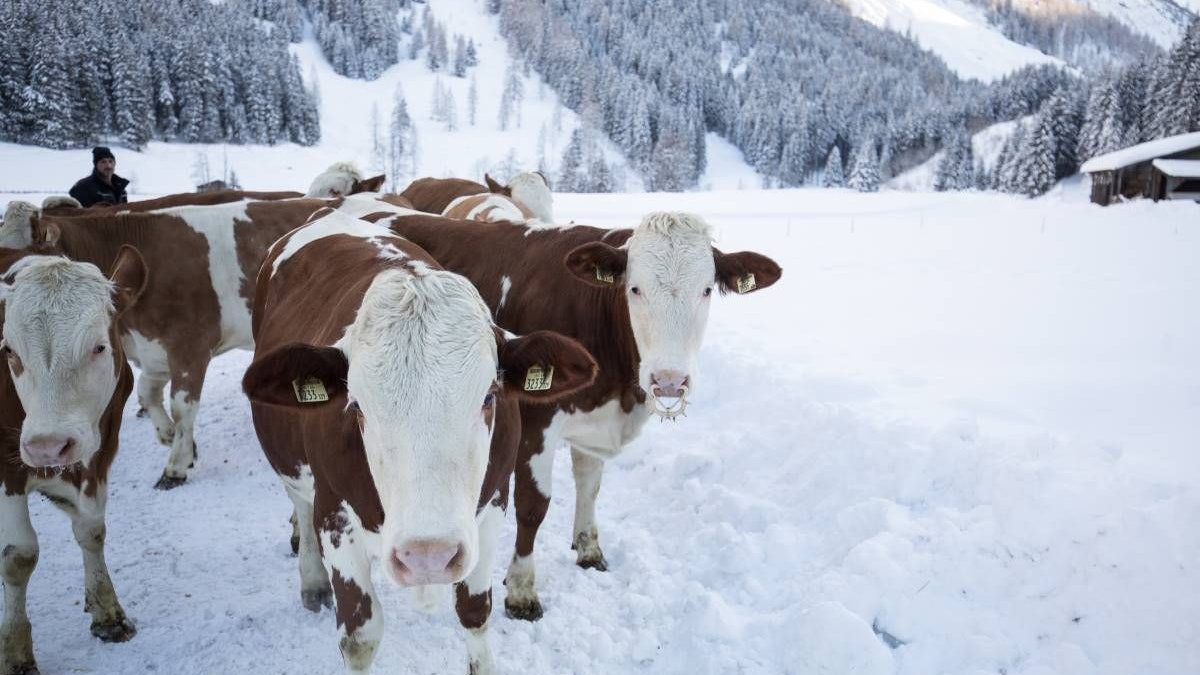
x=1166, y=168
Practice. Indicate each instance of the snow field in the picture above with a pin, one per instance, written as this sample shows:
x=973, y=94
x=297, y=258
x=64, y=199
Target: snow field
x=957, y=437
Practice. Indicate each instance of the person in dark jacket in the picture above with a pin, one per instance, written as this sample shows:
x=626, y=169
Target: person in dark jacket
x=104, y=186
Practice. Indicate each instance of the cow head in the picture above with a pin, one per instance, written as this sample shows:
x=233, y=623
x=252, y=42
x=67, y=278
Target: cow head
x=420, y=373
x=63, y=352
x=531, y=189
x=668, y=270
x=343, y=179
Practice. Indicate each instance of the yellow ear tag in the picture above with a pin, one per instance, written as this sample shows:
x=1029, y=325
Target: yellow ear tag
x=310, y=390
x=538, y=378
x=605, y=276
x=747, y=283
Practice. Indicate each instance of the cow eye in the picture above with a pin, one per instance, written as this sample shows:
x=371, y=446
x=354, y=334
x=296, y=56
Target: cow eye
x=489, y=400
x=354, y=408
x=6, y=349
x=99, y=349
x=708, y=291
x=635, y=290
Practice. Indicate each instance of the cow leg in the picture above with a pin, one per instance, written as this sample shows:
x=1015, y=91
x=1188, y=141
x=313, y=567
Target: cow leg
x=356, y=607
x=185, y=403
x=586, y=541
x=532, y=500
x=150, y=397
x=18, y=557
x=473, y=595
x=109, y=622
x=315, y=592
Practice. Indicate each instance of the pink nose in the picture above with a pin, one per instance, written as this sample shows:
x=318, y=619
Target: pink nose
x=428, y=561
x=669, y=383
x=49, y=450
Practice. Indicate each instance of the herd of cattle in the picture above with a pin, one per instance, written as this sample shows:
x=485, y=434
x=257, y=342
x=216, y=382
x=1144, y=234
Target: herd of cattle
x=412, y=353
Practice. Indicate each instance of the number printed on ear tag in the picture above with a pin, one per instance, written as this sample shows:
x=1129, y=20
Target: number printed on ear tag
x=605, y=276
x=310, y=390
x=747, y=283
x=538, y=378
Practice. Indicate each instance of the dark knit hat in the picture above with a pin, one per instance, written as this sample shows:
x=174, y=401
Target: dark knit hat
x=101, y=152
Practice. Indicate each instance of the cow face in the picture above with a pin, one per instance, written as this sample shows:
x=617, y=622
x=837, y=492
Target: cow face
x=420, y=373
x=668, y=271
x=62, y=350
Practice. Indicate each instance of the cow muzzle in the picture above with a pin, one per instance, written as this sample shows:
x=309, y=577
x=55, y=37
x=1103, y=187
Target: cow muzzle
x=46, y=450
x=668, y=393
x=417, y=562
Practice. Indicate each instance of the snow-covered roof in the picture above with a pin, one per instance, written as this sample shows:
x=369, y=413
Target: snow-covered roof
x=1142, y=152
x=1179, y=168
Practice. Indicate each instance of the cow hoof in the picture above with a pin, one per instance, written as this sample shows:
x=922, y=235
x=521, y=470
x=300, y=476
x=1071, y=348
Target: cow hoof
x=169, y=482
x=524, y=612
x=120, y=630
x=598, y=564
x=314, y=600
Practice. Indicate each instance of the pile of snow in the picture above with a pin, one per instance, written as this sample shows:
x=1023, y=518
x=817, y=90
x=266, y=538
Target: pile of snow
x=957, y=437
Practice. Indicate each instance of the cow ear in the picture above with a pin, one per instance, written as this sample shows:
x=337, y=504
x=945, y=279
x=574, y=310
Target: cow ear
x=598, y=264
x=374, y=184
x=45, y=234
x=129, y=276
x=745, y=271
x=493, y=186
x=298, y=376
x=545, y=366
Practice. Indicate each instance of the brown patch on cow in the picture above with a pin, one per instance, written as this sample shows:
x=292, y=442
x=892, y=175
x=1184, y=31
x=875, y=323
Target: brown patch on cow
x=473, y=610
x=353, y=604
x=396, y=200
x=433, y=195
x=377, y=216
x=268, y=221
x=462, y=209
x=745, y=271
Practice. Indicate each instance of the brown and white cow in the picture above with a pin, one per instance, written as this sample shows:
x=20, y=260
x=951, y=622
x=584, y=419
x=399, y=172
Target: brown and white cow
x=62, y=390
x=527, y=196
x=637, y=299
x=197, y=305
x=386, y=400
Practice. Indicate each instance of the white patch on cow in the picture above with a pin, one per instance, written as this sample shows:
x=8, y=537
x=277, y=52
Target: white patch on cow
x=388, y=249
x=494, y=209
x=531, y=190
x=303, y=485
x=490, y=521
x=505, y=287
x=334, y=223
x=670, y=266
x=456, y=201
x=479, y=653
x=216, y=224
x=150, y=356
x=424, y=433
x=541, y=465
x=335, y=181
x=17, y=230
x=363, y=203
x=602, y=432
x=57, y=314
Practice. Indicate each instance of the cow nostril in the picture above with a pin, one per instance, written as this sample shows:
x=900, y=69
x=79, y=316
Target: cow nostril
x=459, y=558
x=66, y=448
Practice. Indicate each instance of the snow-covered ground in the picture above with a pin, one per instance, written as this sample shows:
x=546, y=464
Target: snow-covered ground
x=959, y=436
x=956, y=31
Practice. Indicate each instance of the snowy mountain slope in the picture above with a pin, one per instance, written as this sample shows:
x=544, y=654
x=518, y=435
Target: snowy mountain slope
x=961, y=425
x=985, y=145
x=954, y=30
x=1161, y=20
x=347, y=107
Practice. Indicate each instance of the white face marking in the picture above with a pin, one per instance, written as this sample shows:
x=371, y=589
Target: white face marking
x=57, y=319
x=531, y=190
x=332, y=224
x=335, y=181
x=216, y=224
x=424, y=429
x=669, y=278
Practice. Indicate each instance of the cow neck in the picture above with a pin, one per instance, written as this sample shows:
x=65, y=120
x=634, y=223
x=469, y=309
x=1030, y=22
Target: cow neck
x=98, y=239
